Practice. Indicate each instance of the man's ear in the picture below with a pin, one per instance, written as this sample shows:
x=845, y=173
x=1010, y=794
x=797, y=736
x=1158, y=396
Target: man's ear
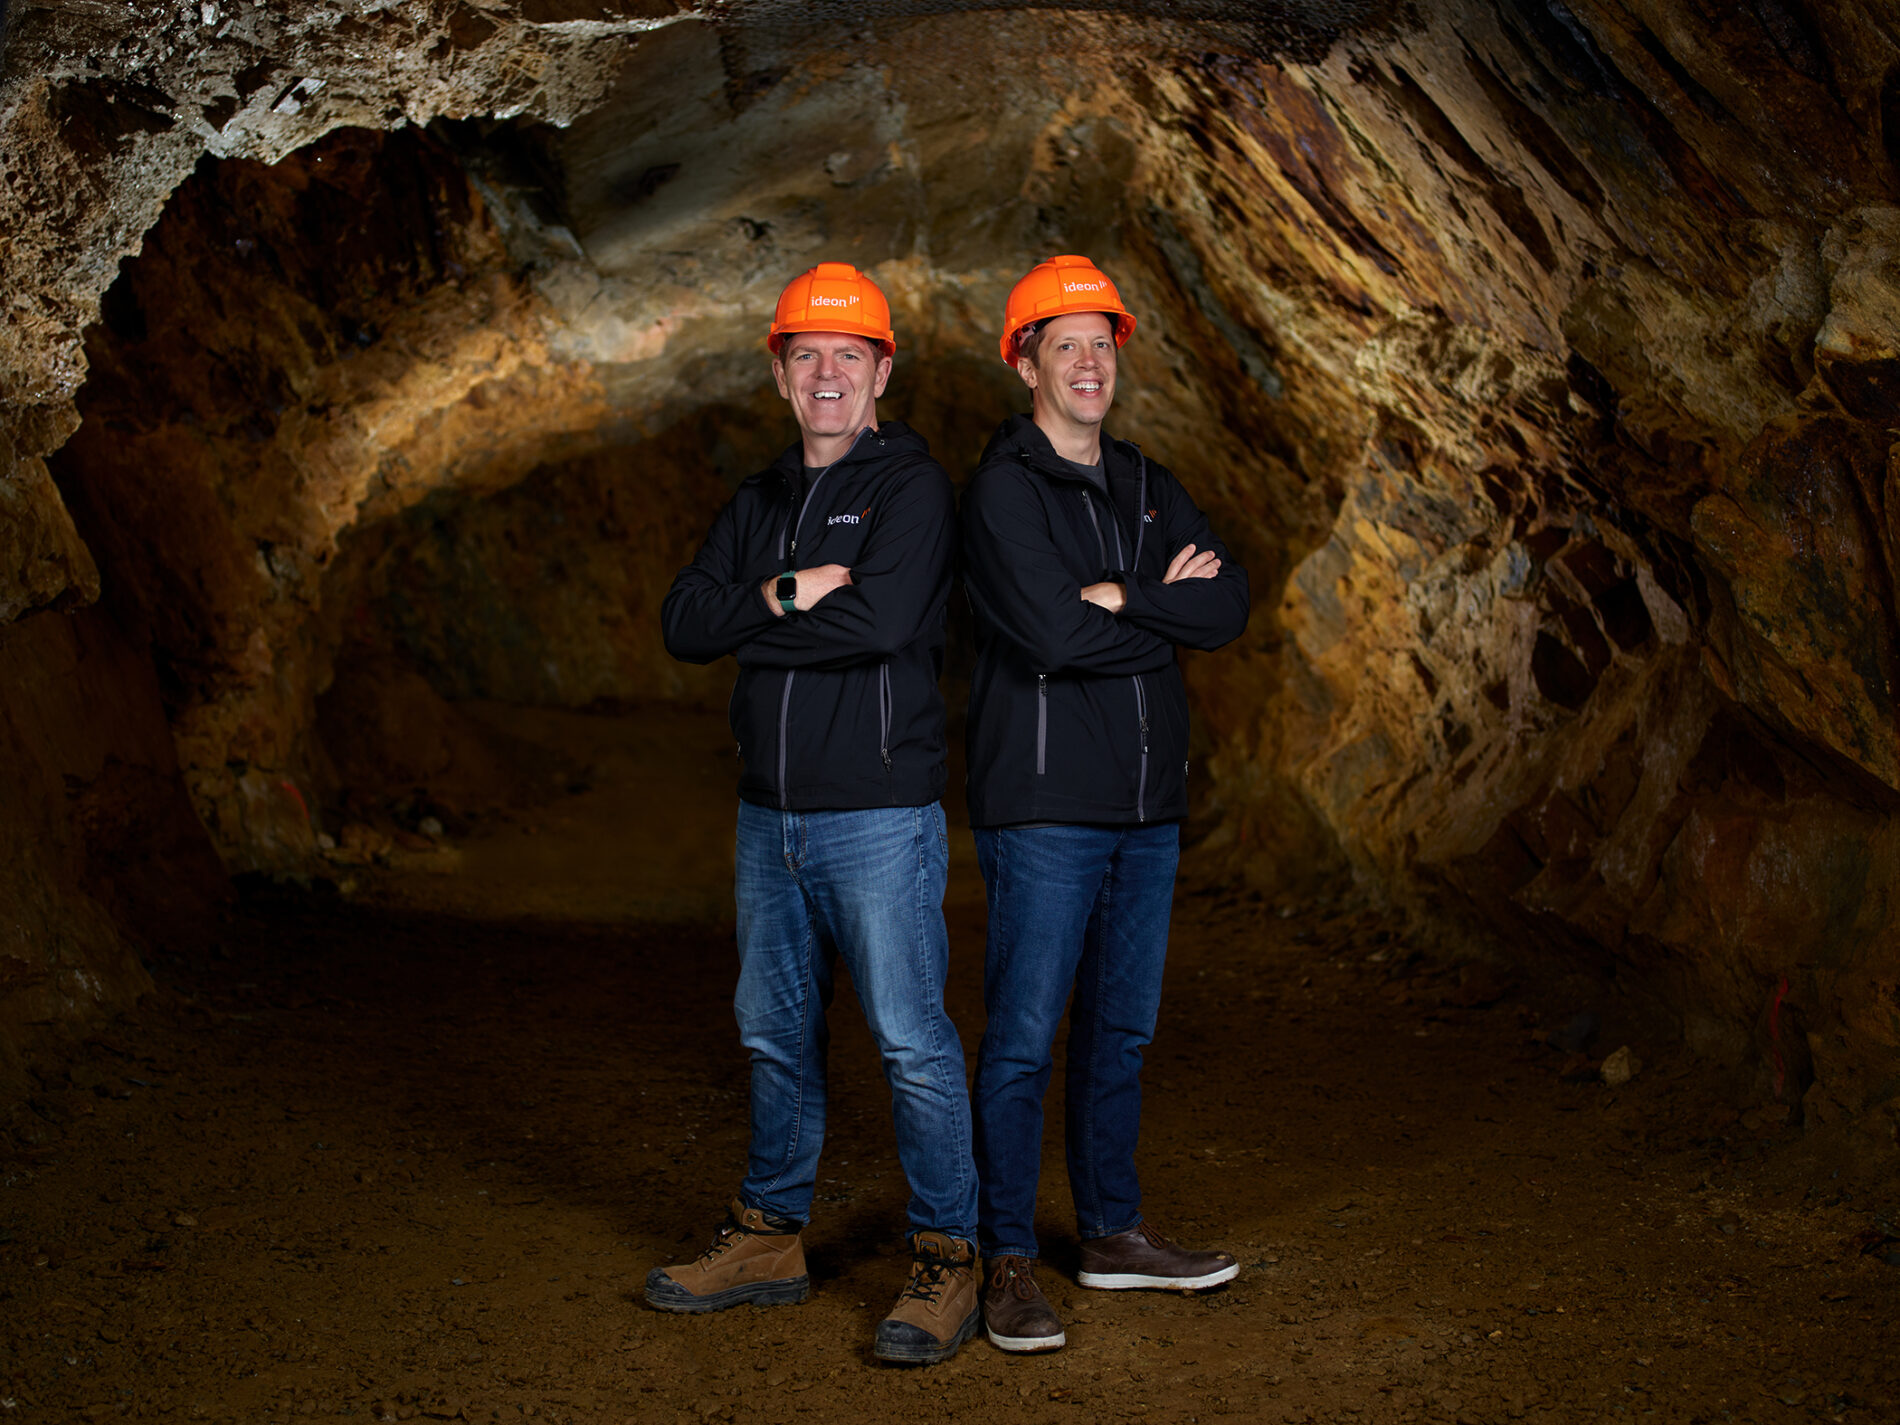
x=884, y=364
x=778, y=375
x=1026, y=369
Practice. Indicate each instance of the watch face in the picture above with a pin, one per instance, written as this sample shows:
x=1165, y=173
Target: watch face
x=787, y=587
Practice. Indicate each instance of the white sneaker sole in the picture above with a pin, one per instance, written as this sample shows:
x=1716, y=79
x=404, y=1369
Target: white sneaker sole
x=1137, y=1281
x=1027, y=1345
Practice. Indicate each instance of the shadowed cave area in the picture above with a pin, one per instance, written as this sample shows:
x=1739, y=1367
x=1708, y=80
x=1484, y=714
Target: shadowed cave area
x=1533, y=1023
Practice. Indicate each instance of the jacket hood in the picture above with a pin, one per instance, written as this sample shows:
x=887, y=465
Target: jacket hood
x=890, y=438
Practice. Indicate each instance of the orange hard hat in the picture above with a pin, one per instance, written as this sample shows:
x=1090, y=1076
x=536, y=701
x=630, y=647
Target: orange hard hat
x=833, y=297
x=1059, y=285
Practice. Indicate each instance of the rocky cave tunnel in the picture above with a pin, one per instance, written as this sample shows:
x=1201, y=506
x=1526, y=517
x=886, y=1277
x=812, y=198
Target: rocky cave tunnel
x=370, y=368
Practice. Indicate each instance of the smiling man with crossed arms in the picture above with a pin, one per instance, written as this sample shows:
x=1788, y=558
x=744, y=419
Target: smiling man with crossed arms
x=826, y=577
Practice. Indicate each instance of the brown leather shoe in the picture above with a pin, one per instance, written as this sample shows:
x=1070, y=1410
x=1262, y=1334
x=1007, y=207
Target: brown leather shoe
x=756, y=1257
x=1142, y=1257
x=1017, y=1316
x=937, y=1311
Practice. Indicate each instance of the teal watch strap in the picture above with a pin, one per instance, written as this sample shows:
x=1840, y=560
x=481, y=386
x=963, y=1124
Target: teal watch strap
x=787, y=591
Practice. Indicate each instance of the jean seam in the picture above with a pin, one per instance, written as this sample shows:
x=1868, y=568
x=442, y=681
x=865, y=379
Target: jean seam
x=1103, y=907
x=999, y=843
x=996, y=884
x=920, y=940
x=795, y=824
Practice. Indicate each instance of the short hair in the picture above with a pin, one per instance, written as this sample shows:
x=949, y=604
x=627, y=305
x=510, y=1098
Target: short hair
x=1029, y=337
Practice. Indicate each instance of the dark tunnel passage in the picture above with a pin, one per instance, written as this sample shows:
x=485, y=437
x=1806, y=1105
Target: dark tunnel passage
x=1532, y=1023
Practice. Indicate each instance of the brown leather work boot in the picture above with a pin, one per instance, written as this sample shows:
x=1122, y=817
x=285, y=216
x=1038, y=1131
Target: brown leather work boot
x=1017, y=1316
x=1142, y=1257
x=756, y=1257
x=938, y=1310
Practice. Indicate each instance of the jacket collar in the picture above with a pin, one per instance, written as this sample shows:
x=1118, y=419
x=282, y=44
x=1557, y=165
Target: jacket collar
x=1019, y=438
x=869, y=445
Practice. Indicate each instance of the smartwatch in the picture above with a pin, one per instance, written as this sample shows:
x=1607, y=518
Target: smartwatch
x=787, y=591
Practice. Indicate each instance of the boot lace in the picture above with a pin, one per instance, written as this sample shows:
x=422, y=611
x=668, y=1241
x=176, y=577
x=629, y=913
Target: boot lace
x=1152, y=1237
x=1012, y=1274
x=927, y=1271
x=730, y=1235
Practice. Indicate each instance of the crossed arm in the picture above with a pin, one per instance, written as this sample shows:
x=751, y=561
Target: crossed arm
x=1187, y=564
x=847, y=614
x=813, y=585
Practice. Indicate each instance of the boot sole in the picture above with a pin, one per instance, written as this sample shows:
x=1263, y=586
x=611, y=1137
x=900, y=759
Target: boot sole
x=1140, y=1281
x=1027, y=1345
x=903, y=1355
x=665, y=1294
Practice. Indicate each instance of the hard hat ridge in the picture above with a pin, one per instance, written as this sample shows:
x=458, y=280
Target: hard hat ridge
x=1057, y=285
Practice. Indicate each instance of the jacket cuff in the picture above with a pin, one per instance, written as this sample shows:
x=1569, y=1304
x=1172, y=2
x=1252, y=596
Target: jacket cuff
x=1135, y=598
x=761, y=617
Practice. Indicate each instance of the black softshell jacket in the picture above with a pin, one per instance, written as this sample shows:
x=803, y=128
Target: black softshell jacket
x=1077, y=714
x=837, y=707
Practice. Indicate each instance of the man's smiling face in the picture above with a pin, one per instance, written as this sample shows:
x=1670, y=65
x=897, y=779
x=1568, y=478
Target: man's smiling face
x=832, y=381
x=1073, y=371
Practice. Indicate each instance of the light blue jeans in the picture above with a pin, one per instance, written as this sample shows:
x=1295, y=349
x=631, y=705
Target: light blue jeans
x=867, y=885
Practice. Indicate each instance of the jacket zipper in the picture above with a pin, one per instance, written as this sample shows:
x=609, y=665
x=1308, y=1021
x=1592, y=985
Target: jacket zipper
x=788, y=537
x=884, y=715
x=1141, y=507
x=1141, y=784
x=784, y=721
x=788, y=554
x=1042, y=719
x=1101, y=546
x=1141, y=693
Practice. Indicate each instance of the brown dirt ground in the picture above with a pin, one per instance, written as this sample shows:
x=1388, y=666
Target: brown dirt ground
x=409, y=1153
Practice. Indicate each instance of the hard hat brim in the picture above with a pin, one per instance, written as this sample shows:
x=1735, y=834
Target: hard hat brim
x=1124, y=328
x=776, y=340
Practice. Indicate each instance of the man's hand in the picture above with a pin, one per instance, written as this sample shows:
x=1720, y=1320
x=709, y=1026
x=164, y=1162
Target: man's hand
x=813, y=585
x=1189, y=565
x=1106, y=595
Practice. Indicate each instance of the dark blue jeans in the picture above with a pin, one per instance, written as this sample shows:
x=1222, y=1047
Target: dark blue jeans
x=867, y=885
x=1082, y=908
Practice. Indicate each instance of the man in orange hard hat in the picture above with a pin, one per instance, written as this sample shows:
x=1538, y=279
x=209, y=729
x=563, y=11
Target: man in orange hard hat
x=826, y=578
x=1088, y=567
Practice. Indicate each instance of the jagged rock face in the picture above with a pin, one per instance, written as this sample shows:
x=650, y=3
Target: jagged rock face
x=1539, y=358
x=300, y=349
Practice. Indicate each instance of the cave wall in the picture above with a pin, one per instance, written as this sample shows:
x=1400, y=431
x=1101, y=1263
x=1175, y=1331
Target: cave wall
x=549, y=593
x=105, y=108
x=1598, y=644
x=300, y=348
x=1538, y=357
x=101, y=854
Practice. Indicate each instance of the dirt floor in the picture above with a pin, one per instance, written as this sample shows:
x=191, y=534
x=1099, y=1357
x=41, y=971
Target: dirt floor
x=408, y=1153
